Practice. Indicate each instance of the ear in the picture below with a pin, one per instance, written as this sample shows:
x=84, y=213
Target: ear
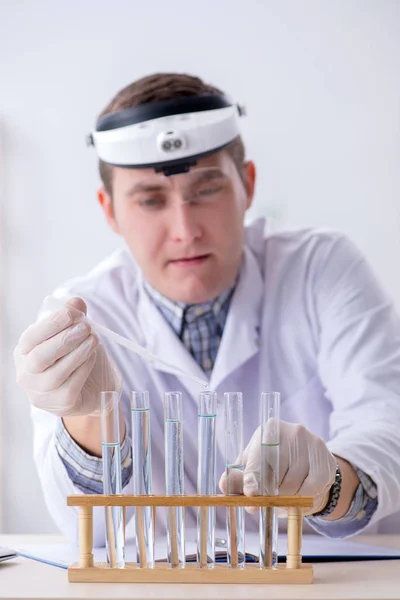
x=107, y=205
x=249, y=180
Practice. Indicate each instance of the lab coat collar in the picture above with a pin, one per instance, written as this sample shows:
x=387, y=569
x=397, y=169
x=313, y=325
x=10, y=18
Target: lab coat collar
x=162, y=340
x=240, y=340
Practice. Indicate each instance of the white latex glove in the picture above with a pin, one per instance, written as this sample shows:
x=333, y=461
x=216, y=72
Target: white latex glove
x=61, y=365
x=306, y=467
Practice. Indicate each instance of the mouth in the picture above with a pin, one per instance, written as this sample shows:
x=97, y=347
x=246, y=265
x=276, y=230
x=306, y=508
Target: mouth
x=190, y=261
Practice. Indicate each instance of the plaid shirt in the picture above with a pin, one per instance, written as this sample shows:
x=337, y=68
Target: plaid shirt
x=200, y=328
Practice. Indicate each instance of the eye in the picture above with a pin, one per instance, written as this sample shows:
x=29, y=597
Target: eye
x=152, y=202
x=210, y=190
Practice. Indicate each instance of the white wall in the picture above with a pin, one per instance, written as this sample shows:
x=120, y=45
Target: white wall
x=321, y=83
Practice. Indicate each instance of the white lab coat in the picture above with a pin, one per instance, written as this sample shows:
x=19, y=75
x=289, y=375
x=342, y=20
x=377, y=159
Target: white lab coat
x=307, y=319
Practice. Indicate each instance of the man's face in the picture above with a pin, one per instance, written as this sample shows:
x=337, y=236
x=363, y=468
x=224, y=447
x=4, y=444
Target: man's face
x=185, y=231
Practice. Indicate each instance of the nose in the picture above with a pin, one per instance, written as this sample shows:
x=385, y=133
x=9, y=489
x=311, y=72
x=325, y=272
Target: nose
x=185, y=225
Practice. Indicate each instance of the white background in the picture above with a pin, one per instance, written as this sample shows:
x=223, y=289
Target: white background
x=320, y=79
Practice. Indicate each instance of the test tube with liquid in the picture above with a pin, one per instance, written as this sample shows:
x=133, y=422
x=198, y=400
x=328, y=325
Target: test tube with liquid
x=174, y=477
x=233, y=404
x=142, y=477
x=269, y=477
x=112, y=478
x=206, y=477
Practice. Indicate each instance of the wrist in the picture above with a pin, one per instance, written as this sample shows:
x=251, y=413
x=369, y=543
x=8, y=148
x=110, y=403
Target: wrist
x=331, y=498
x=341, y=492
x=86, y=432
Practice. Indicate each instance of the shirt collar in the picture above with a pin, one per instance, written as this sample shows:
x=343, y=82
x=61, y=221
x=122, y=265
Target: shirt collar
x=176, y=312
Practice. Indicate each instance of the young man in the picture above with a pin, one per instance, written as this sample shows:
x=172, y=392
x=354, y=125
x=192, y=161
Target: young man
x=297, y=312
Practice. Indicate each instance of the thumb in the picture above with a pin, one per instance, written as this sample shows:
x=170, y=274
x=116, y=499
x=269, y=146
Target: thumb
x=232, y=483
x=78, y=303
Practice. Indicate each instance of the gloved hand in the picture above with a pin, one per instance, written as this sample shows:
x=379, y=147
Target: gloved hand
x=306, y=467
x=61, y=365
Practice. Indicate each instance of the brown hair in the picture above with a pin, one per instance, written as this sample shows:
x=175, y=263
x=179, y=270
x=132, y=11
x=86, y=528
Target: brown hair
x=155, y=88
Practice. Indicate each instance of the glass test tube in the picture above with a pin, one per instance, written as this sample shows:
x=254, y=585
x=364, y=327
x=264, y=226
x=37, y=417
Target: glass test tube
x=269, y=477
x=174, y=477
x=142, y=476
x=234, y=477
x=206, y=477
x=112, y=478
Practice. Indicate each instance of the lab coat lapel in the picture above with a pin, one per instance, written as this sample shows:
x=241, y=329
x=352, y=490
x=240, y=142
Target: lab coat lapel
x=240, y=339
x=162, y=341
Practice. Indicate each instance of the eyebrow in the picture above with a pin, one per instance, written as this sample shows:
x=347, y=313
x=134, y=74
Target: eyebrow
x=201, y=176
x=144, y=187
x=208, y=175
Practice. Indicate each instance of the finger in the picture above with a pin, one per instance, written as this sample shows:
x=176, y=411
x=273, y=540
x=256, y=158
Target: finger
x=313, y=486
x=48, y=352
x=78, y=303
x=222, y=483
x=251, y=487
x=322, y=469
x=78, y=381
x=232, y=483
x=251, y=483
x=293, y=481
x=48, y=327
x=251, y=510
x=61, y=371
x=296, y=461
x=67, y=399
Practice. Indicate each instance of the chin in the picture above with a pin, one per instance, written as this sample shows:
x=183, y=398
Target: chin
x=195, y=293
x=188, y=297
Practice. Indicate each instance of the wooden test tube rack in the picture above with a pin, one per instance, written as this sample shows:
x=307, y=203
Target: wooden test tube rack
x=294, y=571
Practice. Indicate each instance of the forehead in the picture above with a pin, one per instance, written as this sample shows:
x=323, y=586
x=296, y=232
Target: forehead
x=128, y=177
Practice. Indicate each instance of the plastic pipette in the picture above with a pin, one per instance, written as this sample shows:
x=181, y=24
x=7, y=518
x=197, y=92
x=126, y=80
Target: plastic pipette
x=52, y=303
